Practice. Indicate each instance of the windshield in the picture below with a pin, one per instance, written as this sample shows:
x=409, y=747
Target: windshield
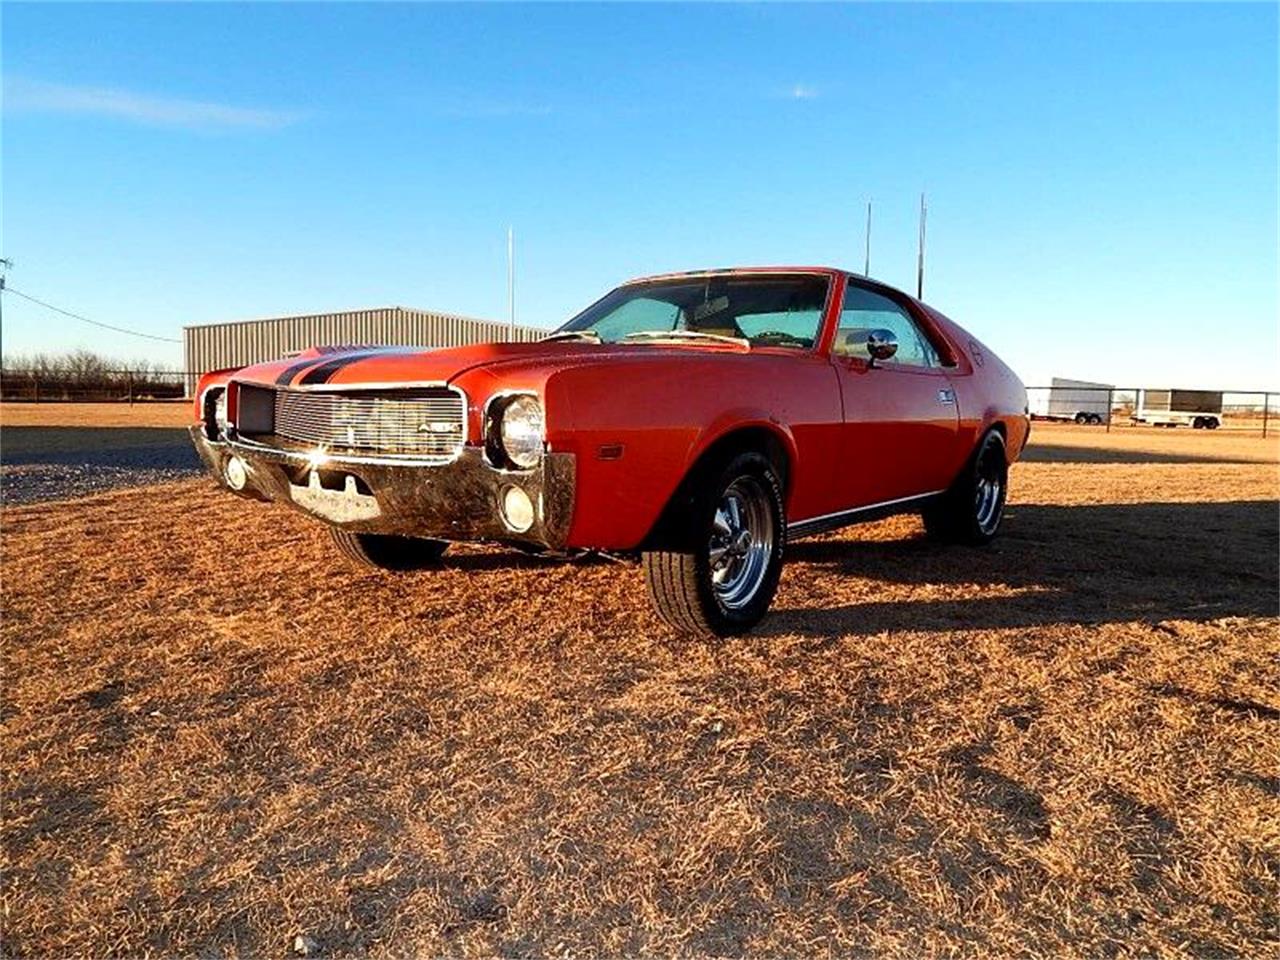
x=773, y=311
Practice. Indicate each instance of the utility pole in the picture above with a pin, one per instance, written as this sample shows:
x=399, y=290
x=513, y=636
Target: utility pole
x=511, y=282
x=5, y=265
x=866, y=267
x=920, y=255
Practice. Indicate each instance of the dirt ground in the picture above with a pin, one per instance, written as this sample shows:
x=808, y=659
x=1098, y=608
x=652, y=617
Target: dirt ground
x=217, y=737
x=154, y=413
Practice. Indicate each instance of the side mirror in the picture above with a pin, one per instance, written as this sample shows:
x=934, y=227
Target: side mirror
x=881, y=345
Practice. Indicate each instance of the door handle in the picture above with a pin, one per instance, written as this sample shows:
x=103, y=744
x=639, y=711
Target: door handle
x=946, y=396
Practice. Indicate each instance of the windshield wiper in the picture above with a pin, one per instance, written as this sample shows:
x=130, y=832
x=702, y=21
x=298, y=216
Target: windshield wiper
x=685, y=335
x=588, y=335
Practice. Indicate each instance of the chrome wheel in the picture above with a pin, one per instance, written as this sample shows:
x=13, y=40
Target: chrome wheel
x=989, y=490
x=742, y=542
x=714, y=565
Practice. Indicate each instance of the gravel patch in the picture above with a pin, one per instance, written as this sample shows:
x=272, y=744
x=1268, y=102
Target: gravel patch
x=39, y=482
x=59, y=463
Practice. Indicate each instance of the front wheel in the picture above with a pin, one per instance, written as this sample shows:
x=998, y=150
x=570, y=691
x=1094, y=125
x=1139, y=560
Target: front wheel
x=386, y=551
x=718, y=573
x=971, y=511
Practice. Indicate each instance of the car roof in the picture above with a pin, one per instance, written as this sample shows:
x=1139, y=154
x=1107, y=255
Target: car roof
x=726, y=271
x=747, y=271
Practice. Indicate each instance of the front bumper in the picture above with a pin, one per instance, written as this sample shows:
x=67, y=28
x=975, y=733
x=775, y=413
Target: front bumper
x=460, y=500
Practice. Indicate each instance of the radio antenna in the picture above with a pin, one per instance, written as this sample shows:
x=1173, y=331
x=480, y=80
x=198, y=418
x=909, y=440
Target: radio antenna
x=866, y=267
x=920, y=256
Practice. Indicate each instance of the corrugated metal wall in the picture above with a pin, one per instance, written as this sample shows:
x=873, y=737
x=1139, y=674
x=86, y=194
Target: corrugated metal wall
x=221, y=345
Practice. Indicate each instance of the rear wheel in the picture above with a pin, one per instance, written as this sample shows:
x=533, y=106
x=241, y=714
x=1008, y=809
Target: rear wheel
x=719, y=570
x=1082, y=418
x=971, y=511
x=388, y=552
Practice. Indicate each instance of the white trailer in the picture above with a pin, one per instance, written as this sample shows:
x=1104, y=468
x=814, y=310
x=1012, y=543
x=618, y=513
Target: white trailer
x=1199, y=409
x=1076, y=400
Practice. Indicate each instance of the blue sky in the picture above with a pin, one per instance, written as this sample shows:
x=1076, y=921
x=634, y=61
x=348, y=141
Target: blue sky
x=1101, y=179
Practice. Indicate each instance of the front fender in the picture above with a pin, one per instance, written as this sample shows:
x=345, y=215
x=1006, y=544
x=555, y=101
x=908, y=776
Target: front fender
x=214, y=378
x=739, y=419
x=621, y=500
x=638, y=427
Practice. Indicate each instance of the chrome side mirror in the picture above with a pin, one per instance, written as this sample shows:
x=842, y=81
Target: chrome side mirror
x=881, y=345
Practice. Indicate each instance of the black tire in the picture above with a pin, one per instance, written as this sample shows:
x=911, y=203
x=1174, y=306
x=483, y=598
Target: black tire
x=388, y=552
x=1095, y=419
x=1197, y=423
x=698, y=595
x=1082, y=418
x=970, y=512
x=1211, y=423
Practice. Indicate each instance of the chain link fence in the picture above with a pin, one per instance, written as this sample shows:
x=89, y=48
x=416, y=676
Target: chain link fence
x=92, y=386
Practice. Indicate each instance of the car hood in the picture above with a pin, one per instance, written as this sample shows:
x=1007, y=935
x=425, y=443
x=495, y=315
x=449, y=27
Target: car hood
x=390, y=366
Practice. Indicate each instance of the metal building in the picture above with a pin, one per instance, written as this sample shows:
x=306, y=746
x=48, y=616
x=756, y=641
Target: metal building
x=216, y=346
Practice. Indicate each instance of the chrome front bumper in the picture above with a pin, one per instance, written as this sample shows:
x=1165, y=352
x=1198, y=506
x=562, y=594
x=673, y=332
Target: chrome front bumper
x=460, y=500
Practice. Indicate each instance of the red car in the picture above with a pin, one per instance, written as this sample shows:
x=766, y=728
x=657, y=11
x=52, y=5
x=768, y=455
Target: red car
x=697, y=421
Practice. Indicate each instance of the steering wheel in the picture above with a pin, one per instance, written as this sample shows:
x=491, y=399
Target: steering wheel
x=777, y=335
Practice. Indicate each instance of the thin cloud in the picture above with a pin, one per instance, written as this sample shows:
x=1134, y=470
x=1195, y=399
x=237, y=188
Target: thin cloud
x=31, y=96
x=803, y=91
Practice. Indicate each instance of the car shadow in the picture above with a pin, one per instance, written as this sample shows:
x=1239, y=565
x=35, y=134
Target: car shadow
x=1084, y=564
x=498, y=557
x=1056, y=453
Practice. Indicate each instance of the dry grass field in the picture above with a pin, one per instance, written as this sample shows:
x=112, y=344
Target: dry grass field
x=216, y=737
x=157, y=413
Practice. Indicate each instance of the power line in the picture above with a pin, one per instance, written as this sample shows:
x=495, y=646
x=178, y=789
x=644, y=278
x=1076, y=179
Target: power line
x=96, y=323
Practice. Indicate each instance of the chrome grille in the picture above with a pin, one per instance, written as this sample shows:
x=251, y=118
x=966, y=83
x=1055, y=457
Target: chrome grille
x=424, y=422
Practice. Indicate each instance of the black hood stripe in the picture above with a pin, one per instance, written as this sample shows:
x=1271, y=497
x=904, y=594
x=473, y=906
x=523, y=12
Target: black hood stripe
x=288, y=373
x=322, y=373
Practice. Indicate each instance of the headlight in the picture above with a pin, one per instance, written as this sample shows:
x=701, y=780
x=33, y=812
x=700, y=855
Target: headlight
x=520, y=431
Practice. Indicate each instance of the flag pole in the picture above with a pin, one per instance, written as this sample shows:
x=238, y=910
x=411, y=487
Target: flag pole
x=511, y=282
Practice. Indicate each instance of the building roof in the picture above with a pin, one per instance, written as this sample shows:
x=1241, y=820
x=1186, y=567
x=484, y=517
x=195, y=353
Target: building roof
x=358, y=310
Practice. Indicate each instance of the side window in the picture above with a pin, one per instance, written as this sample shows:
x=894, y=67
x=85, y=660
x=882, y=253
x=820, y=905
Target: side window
x=792, y=328
x=865, y=311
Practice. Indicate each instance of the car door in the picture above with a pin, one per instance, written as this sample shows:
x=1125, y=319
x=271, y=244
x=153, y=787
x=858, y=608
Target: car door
x=900, y=427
